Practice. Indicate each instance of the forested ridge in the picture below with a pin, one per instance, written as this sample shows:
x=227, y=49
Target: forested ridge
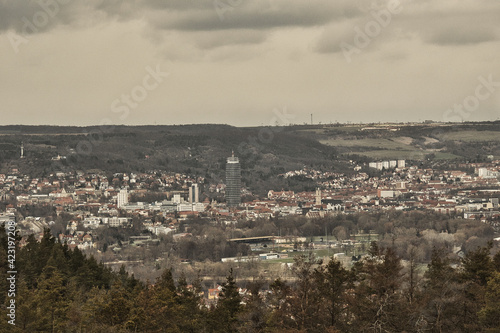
x=61, y=290
x=264, y=152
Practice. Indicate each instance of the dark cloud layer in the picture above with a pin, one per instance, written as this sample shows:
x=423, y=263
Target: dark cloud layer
x=436, y=22
x=465, y=37
x=183, y=14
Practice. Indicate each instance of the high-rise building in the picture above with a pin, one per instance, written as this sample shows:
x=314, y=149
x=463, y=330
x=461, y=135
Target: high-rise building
x=193, y=193
x=122, y=198
x=233, y=181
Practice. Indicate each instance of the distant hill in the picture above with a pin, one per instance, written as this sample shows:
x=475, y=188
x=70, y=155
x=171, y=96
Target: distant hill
x=194, y=149
x=264, y=152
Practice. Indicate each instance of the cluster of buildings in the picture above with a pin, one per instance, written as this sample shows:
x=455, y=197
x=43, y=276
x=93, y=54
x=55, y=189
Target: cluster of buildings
x=386, y=165
x=79, y=239
x=457, y=191
x=97, y=200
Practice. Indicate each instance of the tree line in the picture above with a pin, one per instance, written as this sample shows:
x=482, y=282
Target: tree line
x=62, y=290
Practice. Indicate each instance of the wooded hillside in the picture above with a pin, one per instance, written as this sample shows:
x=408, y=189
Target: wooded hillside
x=59, y=290
x=264, y=152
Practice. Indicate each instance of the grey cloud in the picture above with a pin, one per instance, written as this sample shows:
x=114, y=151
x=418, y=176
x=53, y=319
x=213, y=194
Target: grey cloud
x=31, y=17
x=178, y=5
x=189, y=15
x=225, y=22
x=443, y=24
x=333, y=35
x=243, y=22
x=14, y=14
x=209, y=40
x=230, y=21
x=462, y=33
x=258, y=14
x=433, y=22
x=120, y=9
x=451, y=37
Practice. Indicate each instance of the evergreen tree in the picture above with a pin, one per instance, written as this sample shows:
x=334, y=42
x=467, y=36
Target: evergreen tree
x=478, y=265
x=254, y=316
x=444, y=295
x=332, y=282
x=113, y=309
x=378, y=303
x=191, y=310
x=306, y=304
x=490, y=314
x=157, y=307
x=225, y=315
x=28, y=261
x=280, y=307
x=25, y=307
x=478, y=268
x=92, y=310
x=51, y=301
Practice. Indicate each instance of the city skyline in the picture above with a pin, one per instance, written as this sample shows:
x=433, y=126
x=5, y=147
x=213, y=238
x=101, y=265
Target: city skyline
x=181, y=62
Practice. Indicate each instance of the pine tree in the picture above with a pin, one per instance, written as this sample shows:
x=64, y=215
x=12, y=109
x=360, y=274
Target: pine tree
x=278, y=300
x=378, y=302
x=157, y=307
x=489, y=315
x=51, y=301
x=254, y=315
x=115, y=306
x=478, y=265
x=28, y=261
x=306, y=304
x=191, y=312
x=478, y=268
x=332, y=281
x=91, y=309
x=25, y=307
x=225, y=315
x=444, y=295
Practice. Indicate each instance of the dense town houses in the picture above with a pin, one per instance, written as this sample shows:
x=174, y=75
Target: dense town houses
x=160, y=200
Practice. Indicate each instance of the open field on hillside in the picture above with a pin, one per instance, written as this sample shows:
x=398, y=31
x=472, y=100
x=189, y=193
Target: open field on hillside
x=406, y=154
x=371, y=143
x=472, y=136
x=393, y=148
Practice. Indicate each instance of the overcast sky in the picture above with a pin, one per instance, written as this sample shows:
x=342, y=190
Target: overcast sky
x=76, y=62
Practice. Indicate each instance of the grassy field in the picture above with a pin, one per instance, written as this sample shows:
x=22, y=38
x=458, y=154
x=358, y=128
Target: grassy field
x=472, y=136
x=389, y=148
x=312, y=130
x=345, y=129
x=445, y=156
x=329, y=130
x=405, y=154
x=371, y=143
